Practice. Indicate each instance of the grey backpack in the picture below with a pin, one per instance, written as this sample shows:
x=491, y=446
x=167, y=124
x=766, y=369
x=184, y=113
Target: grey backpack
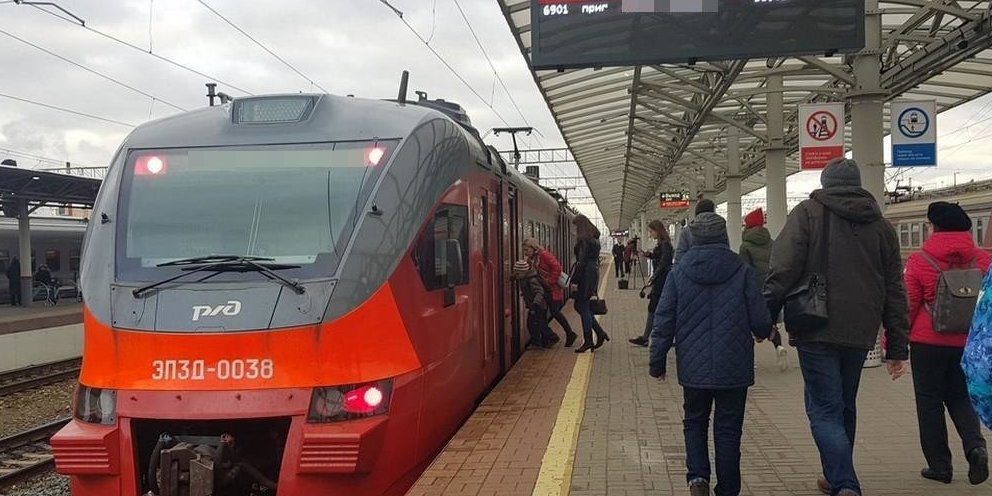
x=957, y=295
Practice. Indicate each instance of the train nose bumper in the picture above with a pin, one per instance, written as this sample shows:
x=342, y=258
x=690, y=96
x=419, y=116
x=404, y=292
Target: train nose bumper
x=341, y=448
x=87, y=449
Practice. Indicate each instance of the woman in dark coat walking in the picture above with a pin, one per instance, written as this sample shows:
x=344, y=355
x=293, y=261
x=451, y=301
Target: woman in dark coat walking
x=661, y=260
x=585, y=281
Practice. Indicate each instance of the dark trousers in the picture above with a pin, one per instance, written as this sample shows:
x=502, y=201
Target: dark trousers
x=728, y=424
x=556, y=315
x=652, y=306
x=939, y=382
x=537, y=326
x=832, y=374
x=618, y=267
x=589, y=322
x=14, y=288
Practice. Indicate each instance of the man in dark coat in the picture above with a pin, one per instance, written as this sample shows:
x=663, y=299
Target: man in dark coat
x=711, y=307
x=14, y=281
x=840, y=232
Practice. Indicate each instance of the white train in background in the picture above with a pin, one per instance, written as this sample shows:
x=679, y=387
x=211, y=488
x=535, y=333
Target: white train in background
x=55, y=242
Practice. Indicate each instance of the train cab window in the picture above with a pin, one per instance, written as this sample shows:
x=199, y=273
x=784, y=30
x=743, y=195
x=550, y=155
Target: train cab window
x=904, y=235
x=450, y=223
x=295, y=204
x=914, y=237
x=53, y=259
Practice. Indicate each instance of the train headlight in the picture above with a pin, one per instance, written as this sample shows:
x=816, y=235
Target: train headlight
x=96, y=406
x=330, y=404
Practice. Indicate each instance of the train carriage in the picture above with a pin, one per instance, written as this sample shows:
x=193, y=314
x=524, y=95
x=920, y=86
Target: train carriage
x=296, y=294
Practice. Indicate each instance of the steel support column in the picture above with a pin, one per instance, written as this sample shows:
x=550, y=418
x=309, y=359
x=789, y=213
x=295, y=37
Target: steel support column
x=24, y=251
x=734, y=187
x=709, y=186
x=775, y=157
x=867, y=101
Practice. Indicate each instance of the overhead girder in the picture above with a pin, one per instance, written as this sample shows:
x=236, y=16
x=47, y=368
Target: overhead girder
x=670, y=117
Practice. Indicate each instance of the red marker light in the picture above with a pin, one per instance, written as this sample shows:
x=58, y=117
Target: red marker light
x=375, y=155
x=150, y=165
x=363, y=400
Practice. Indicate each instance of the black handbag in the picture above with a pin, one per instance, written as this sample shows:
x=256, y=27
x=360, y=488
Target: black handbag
x=598, y=306
x=806, y=305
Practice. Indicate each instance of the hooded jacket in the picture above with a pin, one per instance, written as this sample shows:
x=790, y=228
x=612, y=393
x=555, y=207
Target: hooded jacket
x=946, y=248
x=756, y=251
x=531, y=289
x=710, y=308
x=863, y=269
x=549, y=269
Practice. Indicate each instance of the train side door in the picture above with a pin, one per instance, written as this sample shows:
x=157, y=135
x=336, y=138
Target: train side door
x=490, y=290
x=512, y=308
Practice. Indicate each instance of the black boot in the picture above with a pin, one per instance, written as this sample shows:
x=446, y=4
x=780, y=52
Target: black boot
x=929, y=473
x=639, y=341
x=570, y=338
x=601, y=337
x=586, y=346
x=978, y=466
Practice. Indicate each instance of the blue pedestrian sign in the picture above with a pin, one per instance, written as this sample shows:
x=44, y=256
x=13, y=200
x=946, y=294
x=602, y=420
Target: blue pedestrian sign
x=914, y=134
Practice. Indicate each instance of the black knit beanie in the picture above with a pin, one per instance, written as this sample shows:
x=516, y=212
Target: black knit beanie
x=948, y=217
x=705, y=205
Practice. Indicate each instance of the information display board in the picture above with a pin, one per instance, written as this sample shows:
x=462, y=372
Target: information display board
x=585, y=33
x=674, y=199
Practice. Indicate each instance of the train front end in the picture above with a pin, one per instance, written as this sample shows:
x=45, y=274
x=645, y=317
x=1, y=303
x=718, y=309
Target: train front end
x=241, y=332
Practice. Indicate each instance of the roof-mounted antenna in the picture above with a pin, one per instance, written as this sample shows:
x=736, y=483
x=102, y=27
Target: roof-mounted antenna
x=224, y=97
x=404, y=81
x=421, y=95
x=211, y=92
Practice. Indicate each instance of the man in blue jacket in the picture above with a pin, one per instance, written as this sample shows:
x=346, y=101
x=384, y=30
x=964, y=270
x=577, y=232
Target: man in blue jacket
x=710, y=307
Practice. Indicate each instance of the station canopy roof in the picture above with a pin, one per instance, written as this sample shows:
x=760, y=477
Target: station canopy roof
x=42, y=188
x=637, y=131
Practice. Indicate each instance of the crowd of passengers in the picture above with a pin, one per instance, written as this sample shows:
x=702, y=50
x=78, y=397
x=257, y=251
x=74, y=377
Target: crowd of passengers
x=834, y=277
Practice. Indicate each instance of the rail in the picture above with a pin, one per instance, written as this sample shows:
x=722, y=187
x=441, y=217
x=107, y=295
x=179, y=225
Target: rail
x=26, y=378
x=27, y=453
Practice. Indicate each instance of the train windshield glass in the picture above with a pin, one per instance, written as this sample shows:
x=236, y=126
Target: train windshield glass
x=295, y=204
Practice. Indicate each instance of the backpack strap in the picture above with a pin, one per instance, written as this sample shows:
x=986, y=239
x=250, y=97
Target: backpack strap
x=933, y=263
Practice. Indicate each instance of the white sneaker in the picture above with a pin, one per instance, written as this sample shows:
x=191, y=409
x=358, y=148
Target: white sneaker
x=780, y=358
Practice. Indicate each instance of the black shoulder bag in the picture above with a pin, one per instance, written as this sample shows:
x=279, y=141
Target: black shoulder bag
x=806, y=304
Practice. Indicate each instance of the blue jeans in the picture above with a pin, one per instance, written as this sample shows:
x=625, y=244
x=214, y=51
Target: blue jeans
x=728, y=422
x=832, y=374
x=588, y=319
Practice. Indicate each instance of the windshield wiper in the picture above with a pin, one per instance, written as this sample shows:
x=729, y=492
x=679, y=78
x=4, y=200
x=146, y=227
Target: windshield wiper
x=225, y=263
x=213, y=259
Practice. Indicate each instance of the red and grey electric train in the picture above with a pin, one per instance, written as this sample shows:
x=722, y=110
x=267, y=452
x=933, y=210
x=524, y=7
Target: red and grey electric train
x=296, y=295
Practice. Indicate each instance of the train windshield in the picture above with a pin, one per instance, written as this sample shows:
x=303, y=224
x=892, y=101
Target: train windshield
x=294, y=204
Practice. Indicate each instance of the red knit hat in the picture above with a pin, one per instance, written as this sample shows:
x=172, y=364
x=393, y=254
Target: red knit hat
x=755, y=218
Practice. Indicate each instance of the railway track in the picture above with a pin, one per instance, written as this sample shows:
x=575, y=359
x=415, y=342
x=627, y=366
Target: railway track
x=27, y=453
x=38, y=375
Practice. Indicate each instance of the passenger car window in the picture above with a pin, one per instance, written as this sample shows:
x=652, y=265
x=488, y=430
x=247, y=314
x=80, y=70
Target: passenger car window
x=450, y=223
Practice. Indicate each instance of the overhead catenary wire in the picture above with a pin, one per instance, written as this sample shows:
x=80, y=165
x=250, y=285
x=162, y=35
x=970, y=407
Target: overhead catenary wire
x=68, y=111
x=148, y=52
x=262, y=46
x=445, y=62
x=490, y=61
x=87, y=69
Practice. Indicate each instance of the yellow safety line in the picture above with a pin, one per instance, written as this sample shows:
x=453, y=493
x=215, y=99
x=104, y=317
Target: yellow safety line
x=555, y=478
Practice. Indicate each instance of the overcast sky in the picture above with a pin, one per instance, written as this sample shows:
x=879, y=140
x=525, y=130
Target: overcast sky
x=347, y=47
